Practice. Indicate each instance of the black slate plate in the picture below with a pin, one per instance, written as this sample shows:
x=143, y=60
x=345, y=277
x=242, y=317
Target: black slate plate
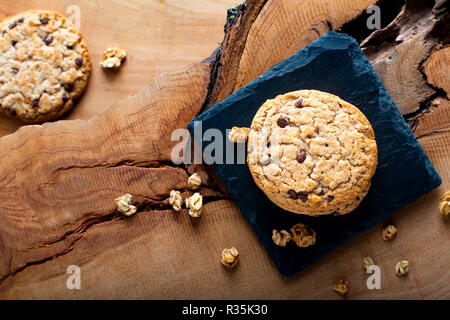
x=334, y=63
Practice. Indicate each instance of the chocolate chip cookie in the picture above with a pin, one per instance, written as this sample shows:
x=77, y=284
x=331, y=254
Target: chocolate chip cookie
x=44, y=65
x=312, y=153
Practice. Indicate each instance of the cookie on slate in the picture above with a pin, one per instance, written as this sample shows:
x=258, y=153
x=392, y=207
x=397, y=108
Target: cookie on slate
x=312, y=153
x=44, y=65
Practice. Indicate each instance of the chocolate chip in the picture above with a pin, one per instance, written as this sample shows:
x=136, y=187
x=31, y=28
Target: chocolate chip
x=70, y=47
x=13, y=25
x=13, y=43
x=301, y=156
x=44, y=20
x=65, y=98
x=326, y=145
x=268, y=144
x=68, y=87
x=303, y=196
x=299, y=103
x=282, y=122
x=321, y=193
x=79, y=62
x=20, y=20
x=293, y=194
x=330, y=198
x=35, y=103
x=15, y=70
x=12, y=112
x=48, y=39
x=3, y=32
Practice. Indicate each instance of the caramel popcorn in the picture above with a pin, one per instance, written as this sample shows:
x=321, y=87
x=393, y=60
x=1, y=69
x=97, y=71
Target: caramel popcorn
x=402, y=268
x=229, y=257
x=194, y=181
x=112, y=58
x=444, y=205
x=239, y=135
x=175, y=200
x=389, y=232
x=124, y=205
x=367, y=262
x=341, y=287
x=194, y=204
x=303, y=235
x=280, y=238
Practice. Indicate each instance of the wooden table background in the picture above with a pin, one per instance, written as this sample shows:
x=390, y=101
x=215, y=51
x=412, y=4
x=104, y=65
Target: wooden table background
x=160, y=36
x=58, y=181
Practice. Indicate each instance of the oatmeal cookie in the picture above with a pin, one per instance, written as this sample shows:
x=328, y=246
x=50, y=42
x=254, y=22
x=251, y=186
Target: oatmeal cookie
x=312, y=153
x=44, y=65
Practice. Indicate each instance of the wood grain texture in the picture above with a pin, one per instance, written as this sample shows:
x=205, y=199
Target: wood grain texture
x=284, y=27
x=160, y=36
x=57, y=204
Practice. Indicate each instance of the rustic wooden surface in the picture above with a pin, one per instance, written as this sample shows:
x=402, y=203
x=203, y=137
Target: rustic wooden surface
x=58, y=181
x=160, y=36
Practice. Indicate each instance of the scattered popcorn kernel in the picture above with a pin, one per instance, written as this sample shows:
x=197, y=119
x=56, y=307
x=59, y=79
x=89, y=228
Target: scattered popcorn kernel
x=113, y=57
x=402, y=268
x=124, y=205
x=239, y=135
x=229, y=257
x=194, y=204
x=280, y=238
x=367, y=262
x=341, y=287
x=303, y=235
x=175, y=200
x=444, y=205
x=194, y=181
x=389, y=232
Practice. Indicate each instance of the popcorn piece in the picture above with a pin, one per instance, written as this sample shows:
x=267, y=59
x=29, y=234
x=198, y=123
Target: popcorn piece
x=341, y=287
x=194, y=204
x=367, y=262
x=113, y=57
x=444, y=204
x=194, y=181
x=229, y=257
x=124, y=205
x=239, y=135
x=175, y=200
x=280, y=238
x=402, y=268
x=303, y=235
x=389, y=232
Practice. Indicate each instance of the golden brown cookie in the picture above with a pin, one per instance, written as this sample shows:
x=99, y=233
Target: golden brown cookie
x=312, y=153
x=44, y=65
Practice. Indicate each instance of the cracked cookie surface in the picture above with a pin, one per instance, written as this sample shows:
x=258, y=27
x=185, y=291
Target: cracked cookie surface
x=312, y=153
x=44, y=65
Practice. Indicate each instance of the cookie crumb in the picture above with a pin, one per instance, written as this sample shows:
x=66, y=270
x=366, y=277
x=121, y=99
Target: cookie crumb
x=229, y=257
x=341, y=287
x=444, y=204
x=389, y=232
x=238, y=135
x=113, y=57
x=402, y=268
x=280, y=238
x=195, y=204
x=194, y=181
x=303, y=235
x=175, y=200
x=124, y=205
x=368, y=261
